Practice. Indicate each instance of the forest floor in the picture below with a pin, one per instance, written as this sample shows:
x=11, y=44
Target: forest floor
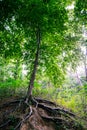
x=39, y=114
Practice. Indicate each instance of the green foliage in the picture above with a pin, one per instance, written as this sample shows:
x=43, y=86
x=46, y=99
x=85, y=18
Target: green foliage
x=19, y=37
x=85, y=89
x=10, y=40
x=18, y=40
x=11, y=87
x=81, y=10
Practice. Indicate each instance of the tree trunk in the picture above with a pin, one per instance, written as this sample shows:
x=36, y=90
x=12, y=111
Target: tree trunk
x=32, y=77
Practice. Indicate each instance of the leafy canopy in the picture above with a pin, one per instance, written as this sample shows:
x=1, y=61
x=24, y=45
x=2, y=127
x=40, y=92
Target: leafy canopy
x=20, y=21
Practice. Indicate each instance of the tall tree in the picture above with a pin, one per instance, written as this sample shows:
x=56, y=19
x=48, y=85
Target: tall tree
x=42, y=18
x=44, y=24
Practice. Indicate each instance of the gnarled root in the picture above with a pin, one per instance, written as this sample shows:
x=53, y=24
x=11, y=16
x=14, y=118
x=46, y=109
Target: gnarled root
x=36, y=114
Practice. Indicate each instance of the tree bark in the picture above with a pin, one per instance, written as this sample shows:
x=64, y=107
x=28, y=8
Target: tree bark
x=33, y=74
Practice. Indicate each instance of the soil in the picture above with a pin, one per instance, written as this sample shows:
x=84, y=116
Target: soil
x=39, y=114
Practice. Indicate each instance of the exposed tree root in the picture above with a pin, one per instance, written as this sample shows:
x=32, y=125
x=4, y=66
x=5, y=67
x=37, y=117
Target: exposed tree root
x=4, y=124
x=56, y=110
x=54, y=119
x=38, y=114
x=11, y=103
x=24, y=119
x=39, y=100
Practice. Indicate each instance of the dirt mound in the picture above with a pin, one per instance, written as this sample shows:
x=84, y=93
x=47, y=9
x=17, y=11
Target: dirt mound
x=35, y=122
x=38, y=114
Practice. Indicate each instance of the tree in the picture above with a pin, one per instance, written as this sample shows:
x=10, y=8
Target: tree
x=37, y=29
x=43, y=27
x=41, y=19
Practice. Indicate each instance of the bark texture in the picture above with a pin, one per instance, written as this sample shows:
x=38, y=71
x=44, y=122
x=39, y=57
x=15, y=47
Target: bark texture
x=33, y=74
